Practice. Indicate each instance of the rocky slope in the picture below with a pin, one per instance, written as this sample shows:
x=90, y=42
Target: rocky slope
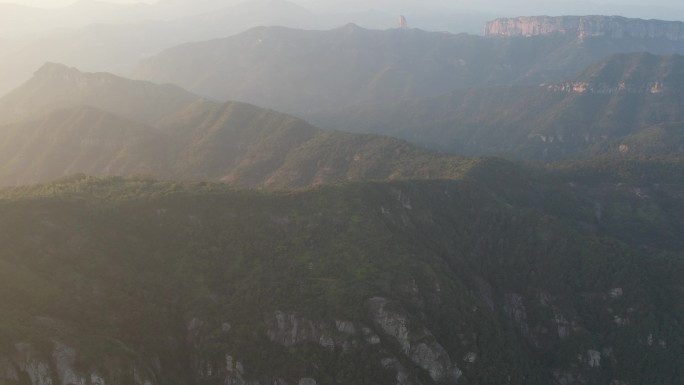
x=101, y=36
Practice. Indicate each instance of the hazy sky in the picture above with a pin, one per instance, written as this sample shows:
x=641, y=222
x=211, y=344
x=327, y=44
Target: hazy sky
x=465, y=3
x=60, y=3
x=659, y=9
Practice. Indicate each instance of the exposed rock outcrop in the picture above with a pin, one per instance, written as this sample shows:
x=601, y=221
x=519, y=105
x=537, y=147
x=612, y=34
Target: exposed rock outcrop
x=655, y=87
x=415, y=341
x=585, y=26
x=370, y=336
x=594, y=358
x=516, y=311
x=234, y=373
x=288, y=329
x=56, y=365
x=402, y=377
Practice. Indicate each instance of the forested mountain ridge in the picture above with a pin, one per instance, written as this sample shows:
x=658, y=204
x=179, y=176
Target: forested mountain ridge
x=139, y=281
x=56, y=86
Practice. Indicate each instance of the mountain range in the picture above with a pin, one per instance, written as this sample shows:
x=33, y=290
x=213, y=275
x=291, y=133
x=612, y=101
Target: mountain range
x=313, y=72
x=450, y=92
x=100, y=39
x=100, y=36
x=65, y=122
x=154, y=235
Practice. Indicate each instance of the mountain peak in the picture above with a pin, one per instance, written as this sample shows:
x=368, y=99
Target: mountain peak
x=50, y=69
x=56, y=75
x=351, y=27
x=57, y=86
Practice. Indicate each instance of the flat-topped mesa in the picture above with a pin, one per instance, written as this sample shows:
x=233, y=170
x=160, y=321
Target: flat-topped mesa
x=586, y=26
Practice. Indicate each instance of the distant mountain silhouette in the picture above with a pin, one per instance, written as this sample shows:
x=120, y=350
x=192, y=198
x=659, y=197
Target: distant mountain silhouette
x=64, y=121
x=305, y=72
x=56, y=86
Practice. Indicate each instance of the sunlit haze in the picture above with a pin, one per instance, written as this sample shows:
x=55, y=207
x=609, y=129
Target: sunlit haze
x=61, y=3
x=664, y=9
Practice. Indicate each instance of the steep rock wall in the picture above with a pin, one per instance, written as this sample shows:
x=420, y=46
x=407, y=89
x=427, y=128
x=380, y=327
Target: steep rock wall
x=58, y=365
x=586, y=26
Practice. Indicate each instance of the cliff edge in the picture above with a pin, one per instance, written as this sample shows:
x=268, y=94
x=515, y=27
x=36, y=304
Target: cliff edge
x=584, y=26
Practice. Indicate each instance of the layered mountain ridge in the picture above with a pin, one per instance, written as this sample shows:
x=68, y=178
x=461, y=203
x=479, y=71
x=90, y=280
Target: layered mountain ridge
x=56, y=86
x=101, y=124
x=306, y=72
x=359, y=259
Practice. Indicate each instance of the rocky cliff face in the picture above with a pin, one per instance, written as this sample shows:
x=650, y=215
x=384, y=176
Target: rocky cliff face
x=586, y=26
x=60, y=364
x=288, y=329
x=416, y=342
x=603, y=88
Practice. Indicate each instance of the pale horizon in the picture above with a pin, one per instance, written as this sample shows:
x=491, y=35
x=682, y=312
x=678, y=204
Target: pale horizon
x=63, y=3
x=663, y=9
